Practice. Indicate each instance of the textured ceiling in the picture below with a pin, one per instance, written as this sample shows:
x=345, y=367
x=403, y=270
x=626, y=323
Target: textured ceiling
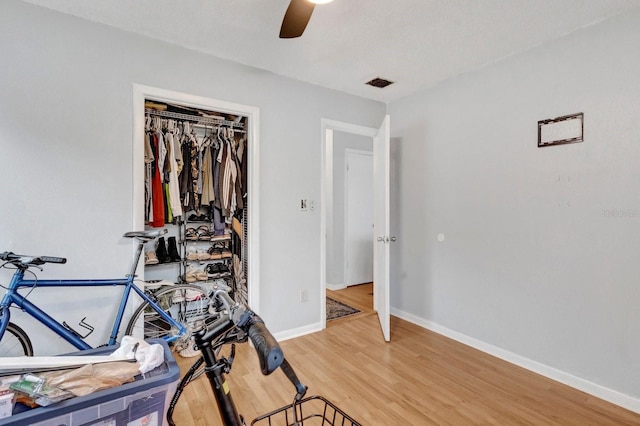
x=416, y=43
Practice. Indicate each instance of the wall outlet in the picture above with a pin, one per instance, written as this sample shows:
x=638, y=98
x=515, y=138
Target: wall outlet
x=304, y=205
x=304, y=296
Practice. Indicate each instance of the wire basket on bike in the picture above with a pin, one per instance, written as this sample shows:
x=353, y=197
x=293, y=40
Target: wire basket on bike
x=311, y=411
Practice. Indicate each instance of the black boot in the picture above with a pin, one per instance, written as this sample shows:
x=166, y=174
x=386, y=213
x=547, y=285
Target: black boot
x=174, y=256
x=161, y=251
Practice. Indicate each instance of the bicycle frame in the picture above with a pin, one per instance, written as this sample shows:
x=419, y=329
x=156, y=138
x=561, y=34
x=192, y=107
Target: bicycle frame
x=209, y=338
x=12, y=297
x=215, y=369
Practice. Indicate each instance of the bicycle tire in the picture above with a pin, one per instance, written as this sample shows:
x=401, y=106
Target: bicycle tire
x=15, y=342
x=185, y=308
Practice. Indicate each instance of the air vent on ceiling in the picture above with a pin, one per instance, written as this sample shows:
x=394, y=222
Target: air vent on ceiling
x=379, y=82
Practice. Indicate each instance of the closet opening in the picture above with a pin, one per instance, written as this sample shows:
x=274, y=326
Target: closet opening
x=195, y=177
x=196, y=188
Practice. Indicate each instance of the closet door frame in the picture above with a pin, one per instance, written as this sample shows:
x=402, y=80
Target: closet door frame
x=142, y=92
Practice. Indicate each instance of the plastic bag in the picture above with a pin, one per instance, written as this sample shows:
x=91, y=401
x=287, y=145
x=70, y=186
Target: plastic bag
x=35, y=388
x=92, y=377
x=148, y=356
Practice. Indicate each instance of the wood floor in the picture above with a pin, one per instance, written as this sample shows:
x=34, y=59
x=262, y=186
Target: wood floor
x=419, y=378
x=359, y=297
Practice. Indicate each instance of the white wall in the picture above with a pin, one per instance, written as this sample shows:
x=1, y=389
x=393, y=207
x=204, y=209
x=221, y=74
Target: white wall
x=66, y=133
x=534, y=262
x=335, y=256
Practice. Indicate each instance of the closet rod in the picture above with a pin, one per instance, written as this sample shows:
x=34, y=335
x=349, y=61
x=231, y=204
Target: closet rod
x=195, y=118
x=208, y=126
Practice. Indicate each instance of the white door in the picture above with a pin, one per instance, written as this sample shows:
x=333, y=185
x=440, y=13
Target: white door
x=358, y=217
x=382, y=239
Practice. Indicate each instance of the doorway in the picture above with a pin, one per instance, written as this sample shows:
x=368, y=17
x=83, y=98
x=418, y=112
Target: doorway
x=331, y=255
x=358, y=213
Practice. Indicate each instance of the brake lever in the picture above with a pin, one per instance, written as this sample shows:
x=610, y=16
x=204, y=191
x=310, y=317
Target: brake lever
x=232, y=355
x=28, y=265
x=301, y=389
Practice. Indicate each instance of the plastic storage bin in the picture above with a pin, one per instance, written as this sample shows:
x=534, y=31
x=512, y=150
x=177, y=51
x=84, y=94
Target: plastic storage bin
x=142, y=402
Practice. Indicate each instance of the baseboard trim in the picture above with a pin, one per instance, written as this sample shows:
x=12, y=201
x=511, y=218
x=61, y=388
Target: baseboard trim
x=586, y=386
x=297, y=332
x=335, y=287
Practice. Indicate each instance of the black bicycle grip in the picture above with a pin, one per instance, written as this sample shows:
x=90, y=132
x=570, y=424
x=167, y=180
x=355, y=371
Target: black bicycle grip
x=9, y=255
x=51, y=259
x=267, y=348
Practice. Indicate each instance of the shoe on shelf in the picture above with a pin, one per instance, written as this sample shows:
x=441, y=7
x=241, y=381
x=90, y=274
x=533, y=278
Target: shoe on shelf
x=214, y=253
x=150, y=258
x=199, y=218
x=203, y=254
x=161, y=251
x=156, y=284
x=190, y=275
x=192, y=294
x=192, y=254
x=177, y=297
x=189, y=295
x=212, y=269
x=172, y=248
x=204, y=233
x=191, y=234
x=201, y=275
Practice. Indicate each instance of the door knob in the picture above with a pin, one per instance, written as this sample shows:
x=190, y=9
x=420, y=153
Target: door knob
x=380, y=239
x=393, y=239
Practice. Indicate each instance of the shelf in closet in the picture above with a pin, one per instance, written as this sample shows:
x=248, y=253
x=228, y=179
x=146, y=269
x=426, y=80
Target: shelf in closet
x=173, y=262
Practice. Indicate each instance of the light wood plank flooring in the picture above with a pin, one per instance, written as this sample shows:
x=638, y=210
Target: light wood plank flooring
x=357, y=296
x=419, y=378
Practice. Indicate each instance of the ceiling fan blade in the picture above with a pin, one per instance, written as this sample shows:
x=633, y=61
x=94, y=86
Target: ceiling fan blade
x=296, y=18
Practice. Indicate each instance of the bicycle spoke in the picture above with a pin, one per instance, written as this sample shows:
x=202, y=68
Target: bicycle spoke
x=186, y=304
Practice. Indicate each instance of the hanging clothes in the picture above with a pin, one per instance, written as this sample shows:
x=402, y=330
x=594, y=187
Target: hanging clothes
x=156, y=186
x=216, y=207
x=194, y=171
x=148, y=164
x=208, y=194
x=227, y=176
x=185, y=187
x=174, y=187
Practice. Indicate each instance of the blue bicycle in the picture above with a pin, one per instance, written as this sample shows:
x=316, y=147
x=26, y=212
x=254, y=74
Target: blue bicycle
x=164, y=312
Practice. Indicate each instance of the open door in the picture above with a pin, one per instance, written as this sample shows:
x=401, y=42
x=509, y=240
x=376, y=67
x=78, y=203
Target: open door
x=381, y=161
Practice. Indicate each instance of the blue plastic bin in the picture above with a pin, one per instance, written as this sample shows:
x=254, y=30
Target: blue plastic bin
x=142, y=402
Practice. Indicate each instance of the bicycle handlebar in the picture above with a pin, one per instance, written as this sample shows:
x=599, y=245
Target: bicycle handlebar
x=267, y=348
x=236, y=323
x=8, y=256
x=52, y=259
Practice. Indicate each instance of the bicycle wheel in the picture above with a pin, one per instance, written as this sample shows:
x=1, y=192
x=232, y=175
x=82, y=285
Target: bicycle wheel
x=15, y=342
x=185, y=303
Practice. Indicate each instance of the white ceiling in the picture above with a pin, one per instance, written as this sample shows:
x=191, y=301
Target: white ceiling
x=416, y=43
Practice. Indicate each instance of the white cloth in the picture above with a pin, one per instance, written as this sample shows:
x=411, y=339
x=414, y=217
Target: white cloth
x=148, y=356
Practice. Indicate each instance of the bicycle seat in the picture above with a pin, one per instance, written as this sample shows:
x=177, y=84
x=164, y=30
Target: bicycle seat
x=145, y=236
